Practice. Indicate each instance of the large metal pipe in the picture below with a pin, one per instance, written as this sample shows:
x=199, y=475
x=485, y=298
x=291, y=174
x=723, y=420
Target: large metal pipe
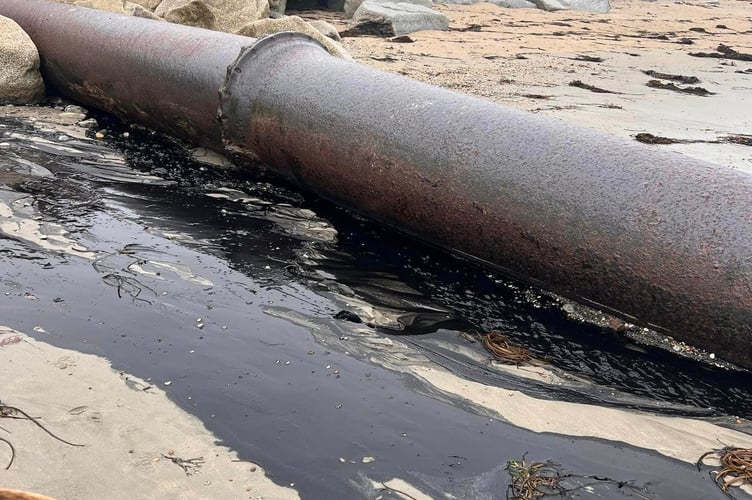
x=659, y=237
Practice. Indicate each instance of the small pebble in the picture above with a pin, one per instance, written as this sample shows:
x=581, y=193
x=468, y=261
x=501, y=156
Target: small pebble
x=99, y=135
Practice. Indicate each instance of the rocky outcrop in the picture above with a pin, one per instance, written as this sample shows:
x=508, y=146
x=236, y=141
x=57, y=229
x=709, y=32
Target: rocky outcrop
x=20, y=80
x=264, y=27
x=220, y=15
x=394, y=19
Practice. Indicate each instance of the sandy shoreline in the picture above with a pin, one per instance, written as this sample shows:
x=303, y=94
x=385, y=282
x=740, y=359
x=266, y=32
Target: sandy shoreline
x=126, y=425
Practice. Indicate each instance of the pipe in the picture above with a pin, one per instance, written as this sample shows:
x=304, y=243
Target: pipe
x=663, y=239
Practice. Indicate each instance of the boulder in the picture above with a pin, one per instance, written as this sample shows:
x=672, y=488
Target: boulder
x=137, y=10
x=601, y=6
x=352, y=5
x=515, y=4
x=147, y=4
x=326, y=29
x=118, y=6
x=187, y=12
x=20, y=80
x=265, y=27
x=394, y=19
x=550, y=5
x=220, y=15
x=108, y=5
x=277, y=8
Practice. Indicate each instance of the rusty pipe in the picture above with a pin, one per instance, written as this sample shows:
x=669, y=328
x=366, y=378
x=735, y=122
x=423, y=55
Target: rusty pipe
x=660, y=238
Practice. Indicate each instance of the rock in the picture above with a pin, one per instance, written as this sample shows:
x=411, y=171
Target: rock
x=601, y=6
x=20, y=80
x=188, y=12
x=351, y=6
x=118, y=6
x=515, y=4
x=326, y=29
x=108, y=5
x=234, y=14
x=394, y=19
x=148, y=4
x=277, y=8
x=220, y=15
x=264, y=27
x=549, y=5
x=137, y=10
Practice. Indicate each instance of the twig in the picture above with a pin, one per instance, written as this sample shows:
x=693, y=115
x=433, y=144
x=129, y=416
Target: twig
x=504, y=350
x=12, y=452
x=189, y=465
x=399, y=492
x=11, y=411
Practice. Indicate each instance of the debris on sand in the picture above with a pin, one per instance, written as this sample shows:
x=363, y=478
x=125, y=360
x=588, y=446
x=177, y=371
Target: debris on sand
x=502, y=348
x=687, y=80
x=647, y=138
x=579, y=84
x=736, y=466
x=536, y=96
x=585, y=58
x=548, y=479
x=724, y=52
x=744, y=140
x=533, y=480
x=190, y=466
x=7, y=411
x=657, y=84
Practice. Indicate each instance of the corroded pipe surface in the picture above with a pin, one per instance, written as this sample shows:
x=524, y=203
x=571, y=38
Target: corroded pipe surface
x=664, y=239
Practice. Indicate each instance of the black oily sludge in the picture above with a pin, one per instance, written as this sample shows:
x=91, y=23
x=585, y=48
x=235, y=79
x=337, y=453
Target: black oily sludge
x=423, y=290
x=181, y=288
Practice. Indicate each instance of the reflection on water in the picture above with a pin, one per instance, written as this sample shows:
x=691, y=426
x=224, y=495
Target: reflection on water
x=281, y=238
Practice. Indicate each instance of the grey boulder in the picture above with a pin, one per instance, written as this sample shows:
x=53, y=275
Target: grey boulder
x=394, y=19
x=601, y=6
x=20, y=80
x=351, y=6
